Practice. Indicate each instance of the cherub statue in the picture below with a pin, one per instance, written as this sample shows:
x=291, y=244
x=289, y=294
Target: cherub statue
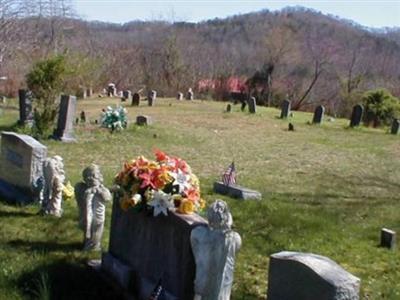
x=214, y=249
x=54, y=177
x=91, y=196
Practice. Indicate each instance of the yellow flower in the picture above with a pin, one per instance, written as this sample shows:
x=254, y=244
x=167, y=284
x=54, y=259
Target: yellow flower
x=68, y=191
x=202, y=203
x=124, y=204
x=186, y=207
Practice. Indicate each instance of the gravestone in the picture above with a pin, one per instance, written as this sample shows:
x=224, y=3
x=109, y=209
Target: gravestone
x=82, y=93
x=395, y=129
x=318, y=114
x=290, y=127
x=65, y=124
x=135, y=99
x=151, y=97
x=306, y=276
x=21, y=167
x=144, y=120
x=82, y=117
x=89, y=92
x=228, y=108
x=111, y=90
x=252, y=105
x=126, y=94
x=179, y=96
x=146, y=250
x=236, y=191
x=356, y=115
x=25, y=107
x=190, y=95
x=388, y=238
x=285, y=109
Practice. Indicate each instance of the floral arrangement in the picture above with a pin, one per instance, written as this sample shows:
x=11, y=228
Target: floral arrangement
x=114, y=118
x=164, y=184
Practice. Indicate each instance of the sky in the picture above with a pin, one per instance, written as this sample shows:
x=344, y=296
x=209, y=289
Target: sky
x=368, y=13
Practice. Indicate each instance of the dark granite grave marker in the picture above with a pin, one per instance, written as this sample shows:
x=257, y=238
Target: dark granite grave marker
x=236, y=191
x=25, y=107
x=151, y=97
x=135, y=99
x=144, y=120
x=395, y=129
x=228, y=108
x=290, y=127
x=65, y=124
x=388, y=238
x=144, y=250
x=285, y=109
x=252, y=105
x=356, y=115
x=318, y=114
x=126, y=94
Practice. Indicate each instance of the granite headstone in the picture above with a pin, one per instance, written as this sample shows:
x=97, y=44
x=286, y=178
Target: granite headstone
x=179, y=96
x=151, y=97
x=285, y=109
x=356, y=115
x=144, y=120
x=395, y=129
x=135, y=99
x=21, y=166
x=66, y=115
x=388, y=238
x=318, y=114
x=252, y=105
x=146, y=250
x=25, y=107
x=307, y=276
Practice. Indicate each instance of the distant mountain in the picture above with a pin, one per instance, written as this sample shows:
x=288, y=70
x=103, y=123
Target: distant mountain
x=310, y=56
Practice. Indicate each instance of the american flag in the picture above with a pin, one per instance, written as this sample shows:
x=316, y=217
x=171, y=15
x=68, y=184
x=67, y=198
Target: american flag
x=229, y=176
x=156, y=294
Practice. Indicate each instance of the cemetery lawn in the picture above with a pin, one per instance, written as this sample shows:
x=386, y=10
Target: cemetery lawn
x=326, y=189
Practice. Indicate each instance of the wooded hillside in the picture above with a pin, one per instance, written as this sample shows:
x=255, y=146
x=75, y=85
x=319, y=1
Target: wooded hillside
x=305, y=55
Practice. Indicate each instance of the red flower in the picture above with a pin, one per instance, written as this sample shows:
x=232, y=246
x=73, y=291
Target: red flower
x=160, y=156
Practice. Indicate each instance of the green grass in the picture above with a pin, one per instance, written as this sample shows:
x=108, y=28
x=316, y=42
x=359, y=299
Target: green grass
x=326, y=189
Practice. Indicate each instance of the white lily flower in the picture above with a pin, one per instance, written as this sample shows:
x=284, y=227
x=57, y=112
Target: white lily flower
x=161, y=203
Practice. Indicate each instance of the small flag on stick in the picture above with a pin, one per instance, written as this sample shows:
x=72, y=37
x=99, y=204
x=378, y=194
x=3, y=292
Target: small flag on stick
x=156, y=294
x=229, y=176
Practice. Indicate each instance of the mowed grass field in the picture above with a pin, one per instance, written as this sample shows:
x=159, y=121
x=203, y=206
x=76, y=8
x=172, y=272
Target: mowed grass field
x=326, y=189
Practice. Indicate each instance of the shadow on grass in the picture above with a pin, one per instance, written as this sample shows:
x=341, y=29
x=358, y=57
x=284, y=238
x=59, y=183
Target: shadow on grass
x=65, y=280
x=40, y=246
x=12, y=214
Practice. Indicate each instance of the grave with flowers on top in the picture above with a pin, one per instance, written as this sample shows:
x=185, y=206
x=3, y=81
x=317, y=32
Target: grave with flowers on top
x=153, y=217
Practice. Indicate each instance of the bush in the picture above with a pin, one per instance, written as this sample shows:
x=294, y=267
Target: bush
x=381, y=107
x=45, y=80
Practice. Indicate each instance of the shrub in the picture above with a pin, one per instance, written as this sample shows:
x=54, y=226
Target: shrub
x=45, y=80
x=381, y=107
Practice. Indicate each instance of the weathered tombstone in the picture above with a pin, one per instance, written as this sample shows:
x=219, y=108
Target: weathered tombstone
x=25, y=107
x=144, y=120
x=126, y=94
x=285, y=109
x=179, y=96
x=236, y=191
x=135, y=99
x=151, y=97
x=190, y=94
x=252, y=105
x=65, y=124
x=356, y=115
x=228, y=108
x=89, y=92
x=111, y=90
x=20, y=167
x=306, y=276
x=83, y=117
x=290, y=127
x=82, y=93
x=163, y=245
x=318, y=114
x=388, y=238
x=395, y=129
x=243, y=105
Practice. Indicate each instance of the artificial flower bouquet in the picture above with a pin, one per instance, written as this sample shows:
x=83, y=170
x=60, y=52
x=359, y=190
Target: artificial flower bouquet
x=164, y=184
x=114, y=118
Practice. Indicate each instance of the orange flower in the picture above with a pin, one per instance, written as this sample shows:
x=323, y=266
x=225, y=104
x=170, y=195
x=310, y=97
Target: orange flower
x=192, y=194
x=160, y=156
x=186, y=207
